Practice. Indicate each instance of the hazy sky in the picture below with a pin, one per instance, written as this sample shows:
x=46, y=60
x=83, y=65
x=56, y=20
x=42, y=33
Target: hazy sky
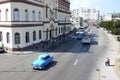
x=105, y=6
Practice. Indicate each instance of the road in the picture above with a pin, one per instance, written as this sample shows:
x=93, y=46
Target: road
x=72, y=61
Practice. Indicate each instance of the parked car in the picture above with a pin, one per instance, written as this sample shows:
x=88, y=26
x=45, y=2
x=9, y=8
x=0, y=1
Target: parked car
x=74, y=36
x=1, y=49
x=42, y=61
x=79, y=37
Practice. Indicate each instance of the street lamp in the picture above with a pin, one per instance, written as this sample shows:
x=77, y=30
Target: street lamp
x=98, y=73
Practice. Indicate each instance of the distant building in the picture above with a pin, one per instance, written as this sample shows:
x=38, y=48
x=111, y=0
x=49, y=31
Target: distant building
x=92, y=14
x=111, y=16
x=27, y=22
x=84, y=14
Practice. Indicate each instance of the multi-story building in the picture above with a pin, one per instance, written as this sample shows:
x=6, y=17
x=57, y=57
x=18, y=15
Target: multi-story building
x=111, y=16
x=86, y=14
x=24, y=22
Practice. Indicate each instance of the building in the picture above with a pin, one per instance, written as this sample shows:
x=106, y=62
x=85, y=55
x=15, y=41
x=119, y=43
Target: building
x=85, y=13
x=111, y=16
x=27, y=22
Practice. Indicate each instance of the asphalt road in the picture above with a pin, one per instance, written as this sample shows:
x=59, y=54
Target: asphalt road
x=72, y=61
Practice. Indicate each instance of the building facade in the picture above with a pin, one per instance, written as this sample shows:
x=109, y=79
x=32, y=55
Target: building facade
x=111, y=16
x=85, y=13
x=27, y=22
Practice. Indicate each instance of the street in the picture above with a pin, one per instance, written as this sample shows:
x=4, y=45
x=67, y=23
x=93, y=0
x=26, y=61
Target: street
x=72, y=61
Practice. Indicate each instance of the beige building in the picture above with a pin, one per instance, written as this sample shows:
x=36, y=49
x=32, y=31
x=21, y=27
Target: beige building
x=24, y=22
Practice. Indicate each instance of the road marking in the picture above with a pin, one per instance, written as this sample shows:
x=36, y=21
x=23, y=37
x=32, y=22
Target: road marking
x=75, y=62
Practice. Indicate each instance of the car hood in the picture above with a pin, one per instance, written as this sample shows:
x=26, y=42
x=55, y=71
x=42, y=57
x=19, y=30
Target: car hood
x=38, y=63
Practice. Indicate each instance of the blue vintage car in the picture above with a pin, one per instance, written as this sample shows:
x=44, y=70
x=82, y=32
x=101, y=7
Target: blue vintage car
x=42, y=61
x=79, y=37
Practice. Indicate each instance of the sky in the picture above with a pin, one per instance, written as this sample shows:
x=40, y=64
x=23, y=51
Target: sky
x=105, y=6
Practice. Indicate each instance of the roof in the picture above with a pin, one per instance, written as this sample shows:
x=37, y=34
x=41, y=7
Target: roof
x=43, y=55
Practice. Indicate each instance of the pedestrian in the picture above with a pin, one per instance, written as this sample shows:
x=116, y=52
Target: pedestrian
x=18, y=48
x=107, y=62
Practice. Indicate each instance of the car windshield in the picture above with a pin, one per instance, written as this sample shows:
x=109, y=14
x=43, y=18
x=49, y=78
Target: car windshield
x=41, y=58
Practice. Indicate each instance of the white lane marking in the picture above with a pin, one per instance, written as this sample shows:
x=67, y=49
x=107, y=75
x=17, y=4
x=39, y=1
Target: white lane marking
x=75, y=62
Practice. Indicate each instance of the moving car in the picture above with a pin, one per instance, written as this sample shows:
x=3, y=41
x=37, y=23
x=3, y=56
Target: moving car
x=86, y=39
x=42, y=61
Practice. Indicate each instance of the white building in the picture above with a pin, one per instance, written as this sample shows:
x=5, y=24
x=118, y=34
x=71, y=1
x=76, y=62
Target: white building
x=85, y=13
x=24, y=22
x=111, y=16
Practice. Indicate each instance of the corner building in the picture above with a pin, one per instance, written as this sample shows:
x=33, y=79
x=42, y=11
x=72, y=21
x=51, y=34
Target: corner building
x=27, y=22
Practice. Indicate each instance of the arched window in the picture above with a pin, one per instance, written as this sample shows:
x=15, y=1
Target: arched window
x=26, y=15
x=27, y=37
x=8, y=37
x=6, y=14
x=16, y=14
x=39, y=16
x=34, y=35
x=0, y=15
x=40, y=34
x=17, y=38
x=33, y=15
x=1, y=37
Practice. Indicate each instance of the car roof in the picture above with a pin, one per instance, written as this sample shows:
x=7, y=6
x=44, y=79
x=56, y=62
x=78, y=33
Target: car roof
x=43, y=55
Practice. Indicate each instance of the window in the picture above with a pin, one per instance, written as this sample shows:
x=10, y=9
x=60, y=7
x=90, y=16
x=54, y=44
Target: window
x=46, y=10
x=59, y=30
x=16, y=14
x=1, y=37
x=8, y=37
x=34, y=35
x=40, y=34
x=27, y=37
x=56, y=31
x=26, y=15
x=33, y=15
x=39, y=16
x=0, y=15
x=6, y=14
x=17, y=38
x=47, y=34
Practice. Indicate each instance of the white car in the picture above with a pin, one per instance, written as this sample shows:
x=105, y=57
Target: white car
x=86, y=40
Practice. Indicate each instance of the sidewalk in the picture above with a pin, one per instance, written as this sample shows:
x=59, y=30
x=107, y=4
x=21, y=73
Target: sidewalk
x=108, y=72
